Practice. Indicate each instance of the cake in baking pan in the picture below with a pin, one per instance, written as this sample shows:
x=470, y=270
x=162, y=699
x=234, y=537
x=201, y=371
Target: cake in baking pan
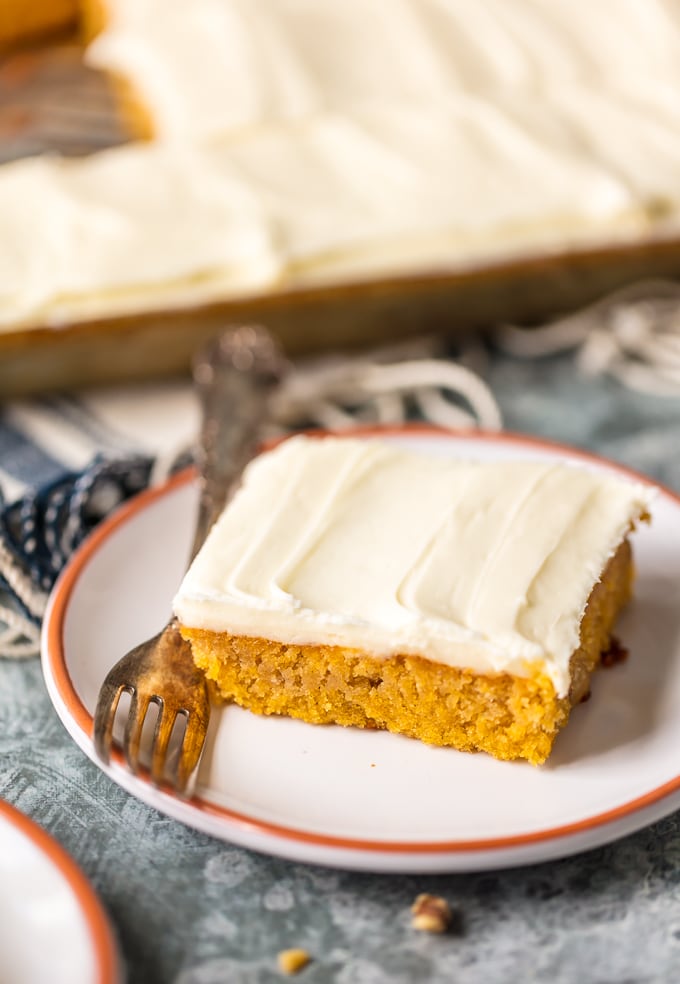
x=492, y=161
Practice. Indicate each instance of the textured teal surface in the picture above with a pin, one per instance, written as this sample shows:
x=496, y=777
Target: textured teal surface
x=192, y=910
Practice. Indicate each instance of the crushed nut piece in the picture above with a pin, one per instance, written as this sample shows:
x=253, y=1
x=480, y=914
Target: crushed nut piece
x=431, y=914
x=291, y=961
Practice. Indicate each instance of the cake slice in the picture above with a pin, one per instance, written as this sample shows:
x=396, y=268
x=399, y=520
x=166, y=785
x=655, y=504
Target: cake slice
x=465, y=604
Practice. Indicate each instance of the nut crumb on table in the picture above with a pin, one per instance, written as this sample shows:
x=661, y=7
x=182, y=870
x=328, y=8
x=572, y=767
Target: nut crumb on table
x=431, y=914
x=291, y=961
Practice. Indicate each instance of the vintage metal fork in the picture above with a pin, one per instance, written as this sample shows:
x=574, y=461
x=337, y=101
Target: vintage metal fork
x=236, y=377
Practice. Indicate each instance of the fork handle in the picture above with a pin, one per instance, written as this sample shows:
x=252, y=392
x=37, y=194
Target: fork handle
x=235, y=377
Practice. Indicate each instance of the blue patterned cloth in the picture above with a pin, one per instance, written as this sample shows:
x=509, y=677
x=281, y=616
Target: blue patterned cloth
x=65, y=463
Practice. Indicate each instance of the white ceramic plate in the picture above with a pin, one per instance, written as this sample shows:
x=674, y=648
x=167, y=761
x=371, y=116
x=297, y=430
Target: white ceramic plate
x=52, y=927
x=372, y=800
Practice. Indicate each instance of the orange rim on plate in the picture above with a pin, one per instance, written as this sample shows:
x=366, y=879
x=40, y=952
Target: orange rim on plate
x=56, y=658
x=103, y=945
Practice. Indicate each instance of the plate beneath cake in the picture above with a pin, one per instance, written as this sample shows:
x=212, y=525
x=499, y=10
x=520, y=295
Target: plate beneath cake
x=371, y=800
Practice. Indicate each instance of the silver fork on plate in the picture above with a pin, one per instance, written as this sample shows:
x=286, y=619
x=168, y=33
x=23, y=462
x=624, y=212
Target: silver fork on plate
x=235, y=378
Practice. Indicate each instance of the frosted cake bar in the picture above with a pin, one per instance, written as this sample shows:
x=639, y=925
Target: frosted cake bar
x=464, y=604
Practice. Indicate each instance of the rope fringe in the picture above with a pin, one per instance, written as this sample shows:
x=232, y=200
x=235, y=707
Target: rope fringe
x=632, y=335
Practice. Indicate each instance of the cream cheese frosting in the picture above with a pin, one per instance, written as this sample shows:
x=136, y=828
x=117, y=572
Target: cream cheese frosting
x=214, y=67
x=362, y=544
x=124, y=230
x=144, y=227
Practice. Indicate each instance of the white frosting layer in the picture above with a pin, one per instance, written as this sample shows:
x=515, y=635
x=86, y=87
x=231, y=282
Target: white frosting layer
x=308, y=142
x=151, y=226
x=339, y=541
x=212, y=67
x=125, y=230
